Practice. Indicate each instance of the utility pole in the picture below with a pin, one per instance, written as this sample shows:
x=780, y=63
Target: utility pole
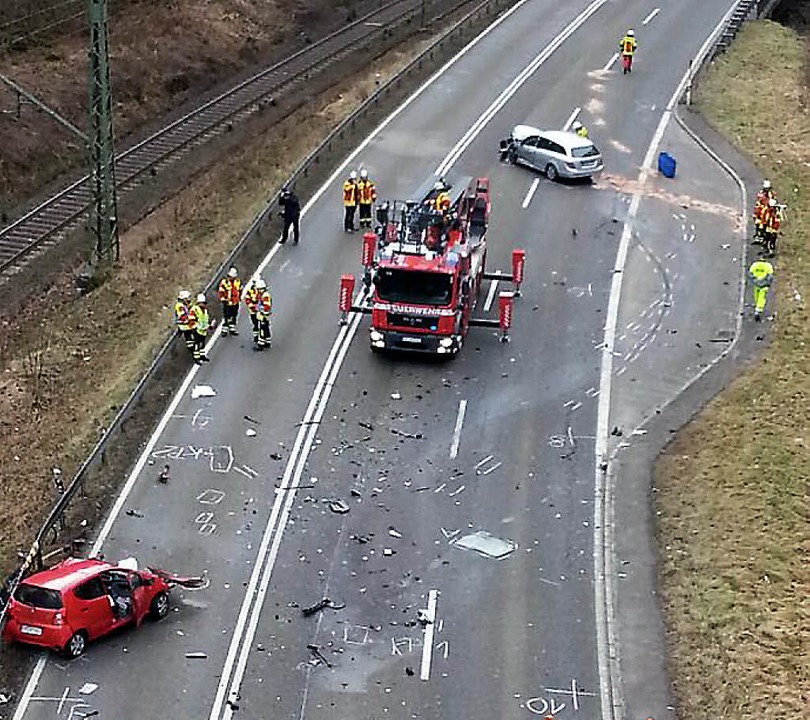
x=103, y=217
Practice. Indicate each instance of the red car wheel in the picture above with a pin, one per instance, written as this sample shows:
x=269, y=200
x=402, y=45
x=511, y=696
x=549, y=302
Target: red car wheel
x=76, y=645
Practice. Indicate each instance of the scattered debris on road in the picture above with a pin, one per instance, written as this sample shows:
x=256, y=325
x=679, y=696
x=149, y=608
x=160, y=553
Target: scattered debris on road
x=196, y=655
x=396, y=396
x=202, y=391
x=163, y=477
x=250, y=432
x=317, y=654
x=366, y=425
x=322, y=605
x=88, y=688
x=250, y=419
x=338, y=506
x=394, y=533
x=414, y=436
x=486, y=544
x=132, y=512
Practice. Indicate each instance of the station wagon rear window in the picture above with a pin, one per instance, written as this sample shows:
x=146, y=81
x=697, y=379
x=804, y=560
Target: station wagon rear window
x=38, y=597
x=584, y=151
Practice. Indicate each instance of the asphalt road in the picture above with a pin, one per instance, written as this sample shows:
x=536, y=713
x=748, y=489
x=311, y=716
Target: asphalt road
x=500, y=440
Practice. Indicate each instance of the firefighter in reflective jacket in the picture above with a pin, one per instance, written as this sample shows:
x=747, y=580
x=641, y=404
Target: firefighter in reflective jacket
x=627, y=48
x=579, y=129
x=264, y=308
x=761, y=274
x=349, y=201
x=182, y=318
x=229, y=293
x=764, y=196
x=771, y=224
x=252, y=300
x=366, y=195
x=201, y=324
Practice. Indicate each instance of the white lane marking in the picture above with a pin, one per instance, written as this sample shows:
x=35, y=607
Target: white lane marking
x=609, y=63
x=530, y=193
x=430, y=629
x=573, y=116
x=490, y=295
x=609, y=682
x=252, y=594
x=462, y=410
x=515, y=85
x=649, y=17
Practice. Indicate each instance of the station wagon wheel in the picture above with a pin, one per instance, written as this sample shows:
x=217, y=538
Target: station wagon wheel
x=76, y=645
x=159, y=608
x=551, y=171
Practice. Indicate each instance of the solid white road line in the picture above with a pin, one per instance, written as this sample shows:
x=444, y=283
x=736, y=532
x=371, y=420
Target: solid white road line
x=515, y=85
x=530, y=193
x=607, y=659
x=462, y=410
x=573, y=116
x=430, y=629
x=30, y=687
x=609, y=63
x=490, y=295
x=649, y=17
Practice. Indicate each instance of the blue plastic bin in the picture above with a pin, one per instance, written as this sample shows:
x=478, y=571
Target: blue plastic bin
x=666, y=164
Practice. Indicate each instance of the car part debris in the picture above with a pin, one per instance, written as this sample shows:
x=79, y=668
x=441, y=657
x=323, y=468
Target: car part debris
x=88, y=688
x=413, y=436
x=367, y=426
x=316, y=652
x=338, y=506
x=202, y=391
x=394, y=533
x=250, y=432
x=322, y=605
x=486, y=544
x=196, y=655
x=132, y=512
x=250, y=419
x=189, y=582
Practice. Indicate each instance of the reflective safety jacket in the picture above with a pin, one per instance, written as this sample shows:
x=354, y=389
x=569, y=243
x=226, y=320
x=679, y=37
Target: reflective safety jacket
x=201, y=321
x=181, y=315
x=366, y=192
x=761, y=204
x=761, y=273
x=442, y=201
x=251, y=298
x=229, y=290
x=264, y=305
x=628, y=45
x=582, y=132
x=349, y=193
x=772, y=219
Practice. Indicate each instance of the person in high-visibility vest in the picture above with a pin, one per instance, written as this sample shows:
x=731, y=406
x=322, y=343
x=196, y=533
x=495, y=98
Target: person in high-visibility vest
x=202, y=323
x=366, y=195
x=579, y=129
x=771, y=224
x=264, y=308
x=764, y=196
x=627, y=48
x=182, y=318
x=761, y=274
x=229, y=293
x=251, y=301
x=349, y=201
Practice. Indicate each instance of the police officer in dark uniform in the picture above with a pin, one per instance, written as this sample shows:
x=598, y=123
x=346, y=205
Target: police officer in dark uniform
x=291, y=212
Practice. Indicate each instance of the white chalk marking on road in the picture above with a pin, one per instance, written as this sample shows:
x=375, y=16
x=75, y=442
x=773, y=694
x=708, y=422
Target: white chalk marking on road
x=62, y=701
x=550, y=582
x=570, y=436
x=649, y=17
x=610, y=685
x=441, y=625
x=490, y=295
x=444, y=645
x=440, y=488
x=490, y=469
x=609, y=63
x=576, y=406
x=573, y=116
x=515, y=85
x=484, y=461
x=462, y=411
x=530, y=193
x=457, y=491
x=568, y=404
x=430, y=629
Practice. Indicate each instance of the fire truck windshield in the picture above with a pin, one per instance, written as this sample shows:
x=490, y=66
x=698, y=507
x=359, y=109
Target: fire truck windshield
x=416, y=287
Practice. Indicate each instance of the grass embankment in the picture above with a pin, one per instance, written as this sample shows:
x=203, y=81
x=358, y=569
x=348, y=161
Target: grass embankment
x=733, y=486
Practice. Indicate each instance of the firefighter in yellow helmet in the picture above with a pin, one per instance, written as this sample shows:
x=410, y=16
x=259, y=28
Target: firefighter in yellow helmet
x=761, y=274
x=264, y=308
x=627, y=48
x=366, y=195
x=579, y=129
x=252, y=302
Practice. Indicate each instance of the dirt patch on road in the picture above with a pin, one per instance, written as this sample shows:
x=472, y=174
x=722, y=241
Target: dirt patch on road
x=732, y=496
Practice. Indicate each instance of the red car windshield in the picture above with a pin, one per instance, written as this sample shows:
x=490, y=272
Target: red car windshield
x=415, y=287
x=38, y=597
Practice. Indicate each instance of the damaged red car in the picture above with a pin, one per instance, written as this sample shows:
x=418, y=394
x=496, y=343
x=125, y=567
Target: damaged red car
x=76, y=601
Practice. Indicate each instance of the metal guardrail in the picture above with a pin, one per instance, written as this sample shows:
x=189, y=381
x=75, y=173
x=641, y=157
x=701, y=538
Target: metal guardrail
x=249, y=250
x=43, y=225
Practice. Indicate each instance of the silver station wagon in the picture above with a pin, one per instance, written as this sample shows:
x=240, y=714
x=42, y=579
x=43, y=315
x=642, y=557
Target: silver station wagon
x=554, y=152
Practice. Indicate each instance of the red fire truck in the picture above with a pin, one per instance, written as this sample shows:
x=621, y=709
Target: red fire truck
x=423, y=270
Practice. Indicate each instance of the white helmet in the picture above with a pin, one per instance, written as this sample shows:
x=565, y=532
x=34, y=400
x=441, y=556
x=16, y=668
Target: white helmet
x=201, y=298
x=766, y=184
x=364, y=173
x=183, y=295
x=353, y=175
x=631, y=33
x=261, y=284
x=232, y=272
x=576, y=126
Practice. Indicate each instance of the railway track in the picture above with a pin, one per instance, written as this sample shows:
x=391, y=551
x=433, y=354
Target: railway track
x=46, y=224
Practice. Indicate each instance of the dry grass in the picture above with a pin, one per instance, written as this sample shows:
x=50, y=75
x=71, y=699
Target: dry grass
x=733, y=487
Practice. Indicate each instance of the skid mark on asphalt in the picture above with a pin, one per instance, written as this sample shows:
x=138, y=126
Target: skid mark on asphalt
x=647, y=190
